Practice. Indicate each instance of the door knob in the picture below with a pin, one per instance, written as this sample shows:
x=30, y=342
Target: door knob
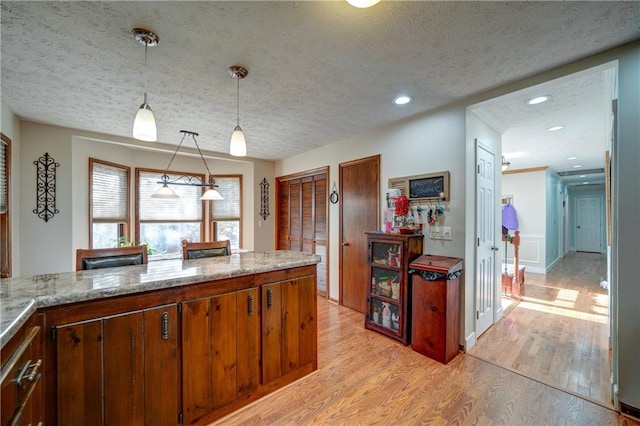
x=494, y=248
x=344, y=243
x=578, y=226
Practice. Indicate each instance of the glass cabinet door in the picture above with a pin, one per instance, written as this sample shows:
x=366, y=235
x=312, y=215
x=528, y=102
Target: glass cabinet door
x=389, y=254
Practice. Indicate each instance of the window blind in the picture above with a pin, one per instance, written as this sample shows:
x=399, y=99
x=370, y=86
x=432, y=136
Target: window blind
x=186, y=208
x=4, y=202
x=229, y=208
x=110, y=193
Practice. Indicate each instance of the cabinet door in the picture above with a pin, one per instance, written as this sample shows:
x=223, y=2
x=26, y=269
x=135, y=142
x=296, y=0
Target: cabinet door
x=290, y=326
x=307, y=325
x=224, y=344
x=161, y=366
x=248, y=322
x=271, y=332
x=79, y=373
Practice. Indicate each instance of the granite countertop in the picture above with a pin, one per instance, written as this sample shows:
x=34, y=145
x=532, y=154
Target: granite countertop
x=21, y=296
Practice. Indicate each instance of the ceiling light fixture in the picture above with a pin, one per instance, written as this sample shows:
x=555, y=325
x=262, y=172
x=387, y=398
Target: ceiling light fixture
x=537, y=100
x=402, y=100
x=238, y=146
x=165, y=192
x=363, y=4
x=577, y=166
x=572, y=158
x=505, y=164
x=144, y=125
x=555, y=128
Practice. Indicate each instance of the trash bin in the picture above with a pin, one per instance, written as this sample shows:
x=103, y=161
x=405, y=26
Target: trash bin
x=435, y=303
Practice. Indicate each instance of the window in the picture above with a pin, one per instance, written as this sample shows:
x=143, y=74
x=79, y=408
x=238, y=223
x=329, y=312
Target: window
x=163, y=223
x=108, y=203
x=226, y=215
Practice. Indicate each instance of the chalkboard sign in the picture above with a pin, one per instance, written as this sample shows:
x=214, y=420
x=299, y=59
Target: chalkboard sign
x=432, y=186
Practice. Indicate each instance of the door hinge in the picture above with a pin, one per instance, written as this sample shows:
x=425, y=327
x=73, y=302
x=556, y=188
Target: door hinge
x=478, y=168
x=477, y=314
x=478, y=241
x=53, y=333
x=179, y=307
x=180, y=417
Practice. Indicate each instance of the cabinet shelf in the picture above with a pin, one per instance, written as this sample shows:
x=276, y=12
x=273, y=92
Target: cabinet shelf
x=389, y=256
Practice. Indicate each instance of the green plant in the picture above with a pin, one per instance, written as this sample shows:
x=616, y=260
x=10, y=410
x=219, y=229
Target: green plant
x=122, y=241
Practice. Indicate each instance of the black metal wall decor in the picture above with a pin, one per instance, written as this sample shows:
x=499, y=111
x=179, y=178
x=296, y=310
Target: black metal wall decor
x=264, y=199
x=46, y=187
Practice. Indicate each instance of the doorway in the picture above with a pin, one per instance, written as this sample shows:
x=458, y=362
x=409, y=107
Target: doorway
x=359, y=212
x=588, y=220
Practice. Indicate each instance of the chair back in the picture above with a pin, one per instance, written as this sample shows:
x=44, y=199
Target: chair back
x=206, y=249
x=110, y=257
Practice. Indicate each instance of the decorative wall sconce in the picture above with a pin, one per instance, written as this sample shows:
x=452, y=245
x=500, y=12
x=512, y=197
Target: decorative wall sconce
x=46, y=187
x=264, y=199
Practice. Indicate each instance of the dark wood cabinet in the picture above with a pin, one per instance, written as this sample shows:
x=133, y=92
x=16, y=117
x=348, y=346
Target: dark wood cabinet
x=221, y=351
x=289, y=327
x=388, y=258
x=22, y=391
x=436, y=307
x=302, y=217
x=121, y=369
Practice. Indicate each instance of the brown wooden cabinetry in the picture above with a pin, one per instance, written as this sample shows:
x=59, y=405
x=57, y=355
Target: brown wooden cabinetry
x=288, y=327
x=221, y=351
x=121, y=369
x=22, y=391
x=388, y=293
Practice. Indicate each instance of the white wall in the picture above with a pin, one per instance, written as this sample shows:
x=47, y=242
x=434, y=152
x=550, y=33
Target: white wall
x=529, y=191
x=52, y=244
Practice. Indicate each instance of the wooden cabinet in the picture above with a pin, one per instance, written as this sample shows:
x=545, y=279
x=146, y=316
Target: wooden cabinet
x=121, y=369
x=436, y=307
x=221, y=351
x=388, y=293
x=302, y=217
x=289, y=327
x=22, y=391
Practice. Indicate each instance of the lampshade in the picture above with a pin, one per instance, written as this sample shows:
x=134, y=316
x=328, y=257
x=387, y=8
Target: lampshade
x=165, y=192
x=363, y=3
x=509, y=217
x=238, y=145
x=144, y=125
x=211, y=194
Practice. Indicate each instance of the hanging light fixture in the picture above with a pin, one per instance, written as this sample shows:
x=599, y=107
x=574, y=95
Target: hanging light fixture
x=505, y=164
x=144, y=125
x=165, y=192
x=363, y=4
x=238, y=145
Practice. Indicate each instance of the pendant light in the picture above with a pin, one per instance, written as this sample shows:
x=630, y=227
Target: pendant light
x=144, y=125
x=167, y=193
x=238, y=146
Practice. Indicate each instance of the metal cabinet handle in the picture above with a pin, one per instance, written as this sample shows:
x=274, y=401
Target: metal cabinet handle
x=165, y=326
x=250, y=303
x=269, y=298
x=29, y=372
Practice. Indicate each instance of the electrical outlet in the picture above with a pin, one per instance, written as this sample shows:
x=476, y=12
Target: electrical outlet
x=440, y=232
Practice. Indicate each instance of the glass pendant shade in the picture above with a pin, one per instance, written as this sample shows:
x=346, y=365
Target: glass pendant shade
x=211, y=194
x=144, y=125
x=165, y=192
x=238, y=145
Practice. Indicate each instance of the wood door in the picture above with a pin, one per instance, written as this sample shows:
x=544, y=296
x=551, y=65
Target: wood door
x=161, y=365
x=122, y=357
x=282, y=239
x=79, y=374
x=588, y=220
x=295, y=216
x=196, y=359
x=320, y=229
x=485, y=280
x=5, y=208
x=271, y=332
x=223, y=349
x=248, y=344
x=359, y=212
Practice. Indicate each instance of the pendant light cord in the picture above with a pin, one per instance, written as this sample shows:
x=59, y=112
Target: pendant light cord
x=238, y=101
x=146, y=45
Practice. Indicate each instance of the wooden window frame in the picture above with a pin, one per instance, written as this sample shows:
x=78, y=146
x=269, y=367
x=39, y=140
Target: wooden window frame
x=213, y=224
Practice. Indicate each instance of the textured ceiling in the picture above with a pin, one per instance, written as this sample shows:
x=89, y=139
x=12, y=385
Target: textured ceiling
x=318, y=71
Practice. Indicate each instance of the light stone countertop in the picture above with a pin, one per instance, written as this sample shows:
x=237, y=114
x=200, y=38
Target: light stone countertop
x=21, y=296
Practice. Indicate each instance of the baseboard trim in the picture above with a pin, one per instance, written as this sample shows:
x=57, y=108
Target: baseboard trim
x=629, y=411
x=470, y=341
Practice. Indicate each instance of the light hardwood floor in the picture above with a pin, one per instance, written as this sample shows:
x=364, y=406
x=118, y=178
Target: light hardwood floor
x=365, y=378
x=558, y=334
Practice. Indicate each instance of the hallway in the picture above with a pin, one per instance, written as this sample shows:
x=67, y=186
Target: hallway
x=558, y=333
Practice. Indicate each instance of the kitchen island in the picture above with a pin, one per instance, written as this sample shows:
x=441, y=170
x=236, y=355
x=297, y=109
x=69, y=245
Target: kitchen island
x=168, y=342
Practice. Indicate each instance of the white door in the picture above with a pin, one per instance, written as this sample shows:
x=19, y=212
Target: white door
x=485, y=238
x=589, y=223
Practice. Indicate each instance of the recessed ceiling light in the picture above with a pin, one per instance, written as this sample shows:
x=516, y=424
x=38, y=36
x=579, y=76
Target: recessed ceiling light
x=585, y=183
x=572, y=158
x=555, y=128
x=577, y=166
x=537, y=100
x=583, y=176
x=402, y=100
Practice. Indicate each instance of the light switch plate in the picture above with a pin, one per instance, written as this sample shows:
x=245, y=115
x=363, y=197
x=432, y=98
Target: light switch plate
x=440, y=232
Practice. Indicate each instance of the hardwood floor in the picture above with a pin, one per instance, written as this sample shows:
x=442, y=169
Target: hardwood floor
x=366, y=378
x=558, y=334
